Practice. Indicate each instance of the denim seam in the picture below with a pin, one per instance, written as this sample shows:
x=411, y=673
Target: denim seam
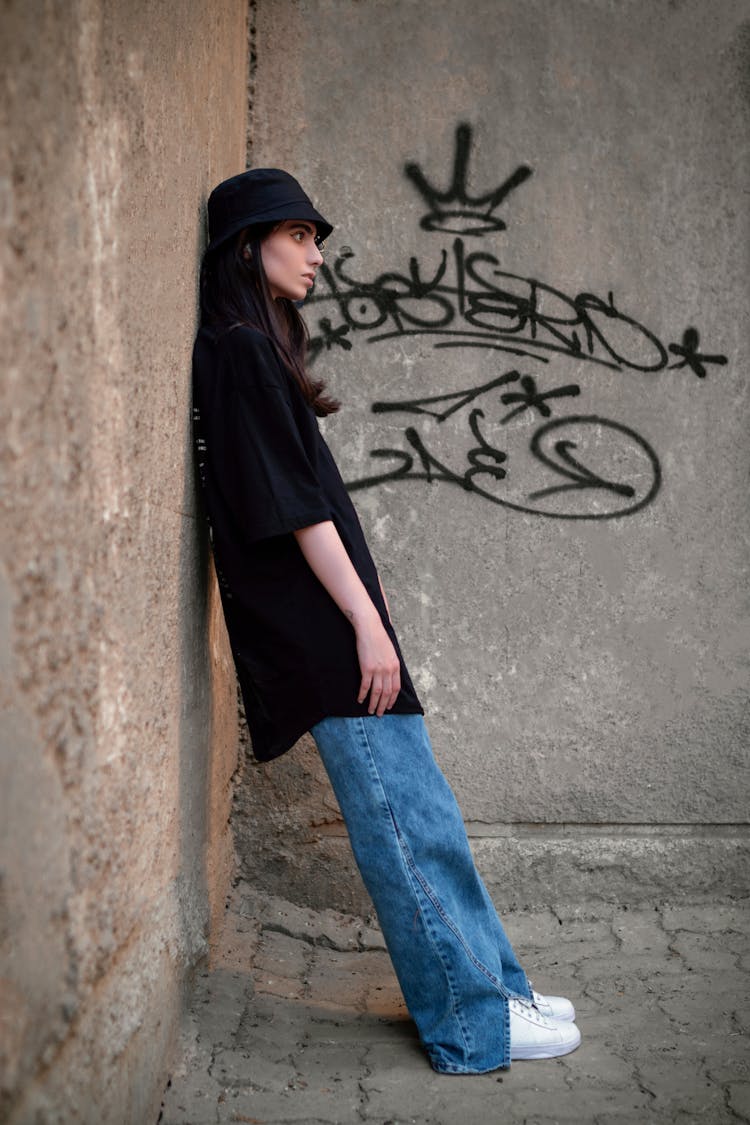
x=503, y=989
x=408, y=870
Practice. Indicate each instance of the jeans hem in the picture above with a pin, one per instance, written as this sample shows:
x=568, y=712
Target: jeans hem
x=451, y=1068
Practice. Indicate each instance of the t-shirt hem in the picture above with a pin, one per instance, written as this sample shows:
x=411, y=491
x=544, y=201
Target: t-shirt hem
x=284, y=745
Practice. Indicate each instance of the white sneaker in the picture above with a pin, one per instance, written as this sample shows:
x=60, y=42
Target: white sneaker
x=533, y=1036
x=553, y=1007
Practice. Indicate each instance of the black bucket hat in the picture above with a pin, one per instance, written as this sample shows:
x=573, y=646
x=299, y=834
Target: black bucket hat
x=260, y=195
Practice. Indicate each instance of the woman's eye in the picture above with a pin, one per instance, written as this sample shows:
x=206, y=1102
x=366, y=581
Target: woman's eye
x=298, y=235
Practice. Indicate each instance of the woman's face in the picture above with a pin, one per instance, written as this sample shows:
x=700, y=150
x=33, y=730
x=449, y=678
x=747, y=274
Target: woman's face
x=291, y=258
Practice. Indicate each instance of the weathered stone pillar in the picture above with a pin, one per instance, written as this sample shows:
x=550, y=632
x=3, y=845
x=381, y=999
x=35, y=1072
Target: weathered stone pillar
x=119, y=738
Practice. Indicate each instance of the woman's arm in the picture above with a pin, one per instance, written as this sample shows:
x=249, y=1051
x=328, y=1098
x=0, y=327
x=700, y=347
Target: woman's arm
x=378, y=662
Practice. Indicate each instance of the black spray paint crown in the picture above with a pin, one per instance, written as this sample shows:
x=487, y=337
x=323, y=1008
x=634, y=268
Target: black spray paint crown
x=454, y=210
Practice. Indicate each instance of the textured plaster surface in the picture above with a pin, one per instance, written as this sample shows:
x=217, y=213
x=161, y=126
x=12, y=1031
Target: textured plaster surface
x=117, y=708
x=589, y=675
x=301, y=1020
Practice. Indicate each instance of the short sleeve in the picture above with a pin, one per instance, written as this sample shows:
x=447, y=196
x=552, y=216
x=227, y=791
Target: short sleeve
x=261, y=439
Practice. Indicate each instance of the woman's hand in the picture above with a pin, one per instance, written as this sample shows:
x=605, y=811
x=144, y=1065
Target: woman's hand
x=378, y=663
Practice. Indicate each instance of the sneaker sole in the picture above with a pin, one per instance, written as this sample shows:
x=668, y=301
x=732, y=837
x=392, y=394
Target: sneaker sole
x=553, y=1051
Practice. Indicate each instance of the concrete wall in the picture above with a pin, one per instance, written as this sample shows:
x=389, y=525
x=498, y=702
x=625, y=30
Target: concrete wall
x=540, y=212
x=119, y=738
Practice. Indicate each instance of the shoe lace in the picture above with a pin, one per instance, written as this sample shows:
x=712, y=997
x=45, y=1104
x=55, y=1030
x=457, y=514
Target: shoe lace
x=534, y=994
x=525, y=1007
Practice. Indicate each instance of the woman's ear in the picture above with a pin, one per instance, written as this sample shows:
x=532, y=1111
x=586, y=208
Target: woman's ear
x=247, y=253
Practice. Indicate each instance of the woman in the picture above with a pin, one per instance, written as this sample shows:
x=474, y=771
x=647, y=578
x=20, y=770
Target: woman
x=314, y=644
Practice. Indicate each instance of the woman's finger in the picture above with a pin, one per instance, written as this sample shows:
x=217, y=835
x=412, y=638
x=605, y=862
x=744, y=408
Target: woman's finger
x=385, y=696
x=375, y=692
x=364, y=686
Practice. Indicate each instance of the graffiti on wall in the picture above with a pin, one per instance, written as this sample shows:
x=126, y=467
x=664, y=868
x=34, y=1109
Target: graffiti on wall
x=575, y=465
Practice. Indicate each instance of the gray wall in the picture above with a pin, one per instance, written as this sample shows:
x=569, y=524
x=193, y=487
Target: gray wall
x=118, y=710
x=543, y=204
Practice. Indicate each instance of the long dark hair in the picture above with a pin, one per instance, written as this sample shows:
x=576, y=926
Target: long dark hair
x=234, y=290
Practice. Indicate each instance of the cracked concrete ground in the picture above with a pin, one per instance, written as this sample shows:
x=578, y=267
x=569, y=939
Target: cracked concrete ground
x=300, y=1020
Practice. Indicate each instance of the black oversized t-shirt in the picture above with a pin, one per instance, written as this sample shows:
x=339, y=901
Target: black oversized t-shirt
x=266, y=471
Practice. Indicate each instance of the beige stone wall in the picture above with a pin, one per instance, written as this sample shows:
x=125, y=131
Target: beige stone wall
x=117, y=699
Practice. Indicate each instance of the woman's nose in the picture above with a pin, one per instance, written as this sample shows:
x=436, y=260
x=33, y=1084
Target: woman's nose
x=315, y=258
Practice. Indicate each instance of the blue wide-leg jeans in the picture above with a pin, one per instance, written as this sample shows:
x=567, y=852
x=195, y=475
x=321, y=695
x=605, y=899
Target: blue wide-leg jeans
x=454, y=963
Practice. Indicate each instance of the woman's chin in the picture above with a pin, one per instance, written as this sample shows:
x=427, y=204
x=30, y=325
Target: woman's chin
x=295, y=295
